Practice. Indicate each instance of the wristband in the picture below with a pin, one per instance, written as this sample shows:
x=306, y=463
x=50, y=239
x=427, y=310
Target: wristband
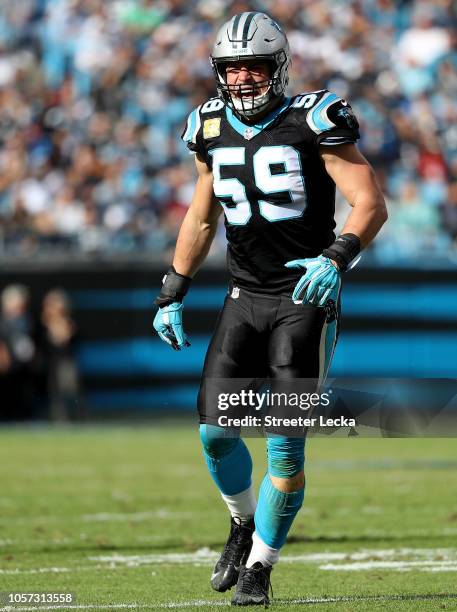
x=345, y=248
x=174, y=288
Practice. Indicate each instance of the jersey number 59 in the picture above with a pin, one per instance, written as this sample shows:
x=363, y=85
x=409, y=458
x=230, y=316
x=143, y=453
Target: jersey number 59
x=291, y=183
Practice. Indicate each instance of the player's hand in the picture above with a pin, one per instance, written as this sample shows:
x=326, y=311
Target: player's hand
x=168, y=324
x=320, y=282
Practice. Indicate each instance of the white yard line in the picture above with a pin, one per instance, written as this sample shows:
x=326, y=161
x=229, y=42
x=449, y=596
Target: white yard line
x=401, y=559
x=135, y=516
x=205, y=555
x=60, y=570
x=442, y=566
x=101, y=517
x=198, y=603
x=200, y=556
x=39, y=570
x=131, y=606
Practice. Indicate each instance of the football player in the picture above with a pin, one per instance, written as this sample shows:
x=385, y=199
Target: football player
x=270, y=163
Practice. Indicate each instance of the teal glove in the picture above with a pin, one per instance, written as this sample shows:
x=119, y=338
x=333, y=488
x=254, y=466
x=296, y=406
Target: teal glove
x=321, y=281
x=168, y=324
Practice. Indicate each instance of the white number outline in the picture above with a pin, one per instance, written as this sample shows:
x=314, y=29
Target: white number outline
x=304, y=101
x=212, y=106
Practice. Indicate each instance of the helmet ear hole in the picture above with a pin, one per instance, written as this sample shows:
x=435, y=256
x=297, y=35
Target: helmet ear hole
x=272, y=67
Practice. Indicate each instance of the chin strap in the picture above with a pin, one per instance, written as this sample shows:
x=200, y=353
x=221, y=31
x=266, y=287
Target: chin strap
x=273, y=104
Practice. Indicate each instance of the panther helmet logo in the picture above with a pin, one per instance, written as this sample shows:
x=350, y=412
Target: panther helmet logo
x=348, y=116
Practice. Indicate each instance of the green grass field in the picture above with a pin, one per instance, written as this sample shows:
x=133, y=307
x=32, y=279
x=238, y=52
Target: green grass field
x=127, y=518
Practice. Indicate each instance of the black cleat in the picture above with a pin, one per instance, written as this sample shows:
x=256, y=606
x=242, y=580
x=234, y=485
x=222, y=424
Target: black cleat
x=234, y=555
x=253, y=586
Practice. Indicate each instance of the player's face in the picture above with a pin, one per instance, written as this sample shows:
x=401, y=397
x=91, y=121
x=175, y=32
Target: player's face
x=244, y=76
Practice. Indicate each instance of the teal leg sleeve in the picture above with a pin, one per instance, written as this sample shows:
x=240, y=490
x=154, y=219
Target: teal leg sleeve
x=275, y=513
x=276, y=510
x=227, y=458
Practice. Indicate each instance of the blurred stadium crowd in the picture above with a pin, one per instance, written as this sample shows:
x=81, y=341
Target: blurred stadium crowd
x=94, y=95
x=38, y=366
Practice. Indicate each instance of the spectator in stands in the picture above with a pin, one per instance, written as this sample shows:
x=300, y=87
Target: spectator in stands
x=58, y=345
x=7, y=401
x=17, y=352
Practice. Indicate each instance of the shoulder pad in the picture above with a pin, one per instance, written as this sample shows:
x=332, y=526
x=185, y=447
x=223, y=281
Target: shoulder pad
x=192, y=127
x=319, y=117
x=207, y=115
x=342, y=115
x=325, y=111
x=307, y=99
x=213, y=105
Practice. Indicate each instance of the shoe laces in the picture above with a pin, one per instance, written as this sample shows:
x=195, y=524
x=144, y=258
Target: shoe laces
x=251, y=578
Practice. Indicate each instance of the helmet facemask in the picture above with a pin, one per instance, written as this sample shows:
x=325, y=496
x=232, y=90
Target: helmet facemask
x=255, y=103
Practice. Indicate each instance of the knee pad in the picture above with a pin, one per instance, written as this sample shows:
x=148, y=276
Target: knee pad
x=228, y=460
x=286, y=456
x=215, y=443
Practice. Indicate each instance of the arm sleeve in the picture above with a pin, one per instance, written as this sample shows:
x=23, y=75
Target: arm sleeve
x=333, y=121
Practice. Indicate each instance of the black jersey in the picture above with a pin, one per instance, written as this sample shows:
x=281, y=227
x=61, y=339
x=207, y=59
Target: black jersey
x=279, y=201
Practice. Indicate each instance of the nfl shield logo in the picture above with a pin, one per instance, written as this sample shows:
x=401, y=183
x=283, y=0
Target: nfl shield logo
x=248, y=133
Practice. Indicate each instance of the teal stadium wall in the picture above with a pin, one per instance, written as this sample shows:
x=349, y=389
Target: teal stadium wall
x=396, y=323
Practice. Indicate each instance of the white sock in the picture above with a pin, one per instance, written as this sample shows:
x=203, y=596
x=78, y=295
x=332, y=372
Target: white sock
x=242, y=505
x=262, y=552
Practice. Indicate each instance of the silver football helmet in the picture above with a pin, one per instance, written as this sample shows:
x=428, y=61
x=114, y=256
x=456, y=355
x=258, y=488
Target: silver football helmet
x=251, y=36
